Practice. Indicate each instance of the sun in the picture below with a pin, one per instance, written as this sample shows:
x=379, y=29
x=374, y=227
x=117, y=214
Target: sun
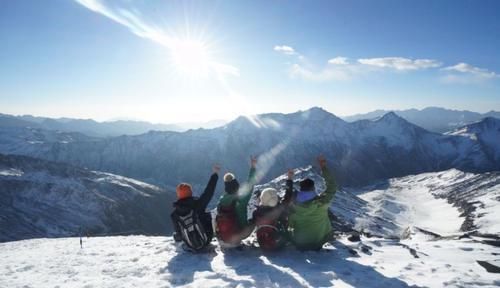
x=191, y=58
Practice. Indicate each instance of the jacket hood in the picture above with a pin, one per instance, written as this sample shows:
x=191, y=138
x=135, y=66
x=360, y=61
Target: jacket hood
x=183, y=206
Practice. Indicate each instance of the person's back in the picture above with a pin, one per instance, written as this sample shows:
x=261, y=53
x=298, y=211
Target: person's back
x=232, y=221
x=193, y=225
x=271, y=217
x=309, y=223
x=270, y=223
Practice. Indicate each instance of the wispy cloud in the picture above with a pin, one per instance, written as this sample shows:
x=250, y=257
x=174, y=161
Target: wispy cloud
x=400, y=63
x=463, y=73
x=338, y=61
x=136, y=25
x=287, y=50
x=469, y=69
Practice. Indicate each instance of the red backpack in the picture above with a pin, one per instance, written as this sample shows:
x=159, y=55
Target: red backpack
x=227, y=223
x=270, y=231
x=269, y=236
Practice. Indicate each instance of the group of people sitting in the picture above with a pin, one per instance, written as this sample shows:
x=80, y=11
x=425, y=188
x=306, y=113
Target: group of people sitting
x=300, y=218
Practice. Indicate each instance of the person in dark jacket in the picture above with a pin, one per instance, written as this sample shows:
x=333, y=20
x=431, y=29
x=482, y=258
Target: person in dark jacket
x=271, y=217
x=187, y=203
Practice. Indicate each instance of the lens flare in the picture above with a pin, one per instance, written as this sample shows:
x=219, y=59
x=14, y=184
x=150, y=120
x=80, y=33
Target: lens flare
x=190, y=57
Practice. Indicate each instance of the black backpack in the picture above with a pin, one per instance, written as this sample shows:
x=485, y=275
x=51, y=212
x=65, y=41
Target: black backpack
x=192, y=231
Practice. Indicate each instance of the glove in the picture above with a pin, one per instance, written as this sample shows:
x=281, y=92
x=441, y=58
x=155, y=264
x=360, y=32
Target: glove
x=177, y=237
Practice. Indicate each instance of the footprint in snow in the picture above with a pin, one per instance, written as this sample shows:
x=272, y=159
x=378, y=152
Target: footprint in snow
x=466, y=248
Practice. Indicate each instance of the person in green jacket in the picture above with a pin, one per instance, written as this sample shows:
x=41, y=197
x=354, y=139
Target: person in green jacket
x=231, y=222
x=308, y=222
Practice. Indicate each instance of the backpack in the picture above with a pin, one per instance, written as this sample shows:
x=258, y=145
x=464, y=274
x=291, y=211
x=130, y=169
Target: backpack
x=227, y=222
x=192, y=231
x=269, y=236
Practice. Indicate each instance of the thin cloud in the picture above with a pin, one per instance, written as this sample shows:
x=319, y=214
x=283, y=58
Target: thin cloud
x=287, y=50
x=338, y=61
x=463, y=73
x=469, y=69
x=400, y=63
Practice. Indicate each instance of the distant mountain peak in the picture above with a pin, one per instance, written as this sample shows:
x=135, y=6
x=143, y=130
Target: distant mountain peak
x=391, y=117
x=317, y=109
x=318, y=113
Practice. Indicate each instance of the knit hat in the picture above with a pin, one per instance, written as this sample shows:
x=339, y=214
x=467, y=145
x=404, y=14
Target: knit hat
x=269, y=197
x=307, y=185
x=231, y=185
x=183, y=191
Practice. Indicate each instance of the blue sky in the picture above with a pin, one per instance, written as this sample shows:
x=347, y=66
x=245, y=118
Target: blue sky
x=176, y=61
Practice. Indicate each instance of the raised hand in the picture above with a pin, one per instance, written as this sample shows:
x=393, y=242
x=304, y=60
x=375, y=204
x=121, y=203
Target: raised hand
x=322, y=161
x=216, y=168
x=290, y=174
x=253, y=161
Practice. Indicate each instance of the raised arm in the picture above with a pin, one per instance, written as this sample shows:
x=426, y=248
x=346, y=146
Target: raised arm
x=247, y=193
x=251, y=174
x=210, y=189
x=289, y=188
x=331, y=185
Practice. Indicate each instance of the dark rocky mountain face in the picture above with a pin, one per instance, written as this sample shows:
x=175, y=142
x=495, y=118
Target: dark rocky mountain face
x=47, y=199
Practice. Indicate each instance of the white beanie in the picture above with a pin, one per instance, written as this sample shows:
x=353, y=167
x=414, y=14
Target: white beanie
x=228, y=177
x=269, y=197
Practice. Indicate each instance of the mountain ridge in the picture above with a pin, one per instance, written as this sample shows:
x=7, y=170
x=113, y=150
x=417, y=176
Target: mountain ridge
x=360, y=152
x=436, y=119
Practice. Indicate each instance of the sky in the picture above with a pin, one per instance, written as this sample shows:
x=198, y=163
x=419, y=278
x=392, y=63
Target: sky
x=185, y=61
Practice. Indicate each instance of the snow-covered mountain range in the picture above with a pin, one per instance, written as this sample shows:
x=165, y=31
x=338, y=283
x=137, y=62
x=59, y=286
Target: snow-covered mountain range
x=434, y=119
x=40, y=198
x=360, y=152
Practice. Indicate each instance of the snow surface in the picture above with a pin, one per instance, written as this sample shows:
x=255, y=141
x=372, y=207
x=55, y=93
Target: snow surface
x=140, y=261
x=431, y=201
x=11, y=172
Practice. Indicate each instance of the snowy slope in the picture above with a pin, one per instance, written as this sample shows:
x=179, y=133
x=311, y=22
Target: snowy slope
x=360, y=152
x=47, y=199
x=410, y=202
x=486, y=132
x=139, y=261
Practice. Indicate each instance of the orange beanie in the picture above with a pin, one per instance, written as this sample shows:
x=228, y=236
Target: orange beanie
x=183, y=191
